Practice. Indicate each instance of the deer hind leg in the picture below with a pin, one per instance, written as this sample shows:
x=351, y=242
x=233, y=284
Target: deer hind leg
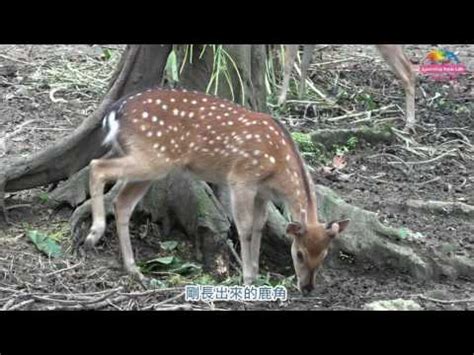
x=259, y=219
x=402, y=68
x=124, y=204
x=97, y=182
x=101, y=171
x=242, y=202
x=305, y=62
x=290, y=57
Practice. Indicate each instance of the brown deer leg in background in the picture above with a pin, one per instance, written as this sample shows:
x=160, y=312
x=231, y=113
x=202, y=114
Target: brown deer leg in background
x=242, y=200
x=259, y=219
x=305, y=62
x=125, y=203
x=401, y=66
x=290, y=57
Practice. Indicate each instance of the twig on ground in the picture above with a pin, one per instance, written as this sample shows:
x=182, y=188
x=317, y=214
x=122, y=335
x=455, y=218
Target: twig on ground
x=391, y=156
x=357, y=114
x=16, y=60
x=182, y=307
x=149, y=292
x=234, y=252
x=63, y=270
x=78, y=302
x=21, y=304
x=9, y=303
x=426, y=161
x=468, y=300
x=428, y=182
x=155, y=306
x=24, y=205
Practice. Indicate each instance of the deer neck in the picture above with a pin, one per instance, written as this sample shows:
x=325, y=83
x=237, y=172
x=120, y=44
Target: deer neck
x=303, y=208
x=295, y=184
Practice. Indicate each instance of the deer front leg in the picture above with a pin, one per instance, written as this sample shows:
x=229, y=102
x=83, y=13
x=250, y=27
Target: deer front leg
x=126, y=201
x=242, y=201
x=259, y=219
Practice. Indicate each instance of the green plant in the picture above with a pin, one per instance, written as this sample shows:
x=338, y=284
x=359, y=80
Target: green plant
x=350, y=146
x=169, y=245
x=367, y=100
x=44, y=243
x=204, y=279
x=304, y=142
x=270, y=77
x=222, y=66
x=234, y=280
x=171, y=264
x=352, y=142
x=308, y=149
x=43, y=197
x=171, y=67
x=106, y=54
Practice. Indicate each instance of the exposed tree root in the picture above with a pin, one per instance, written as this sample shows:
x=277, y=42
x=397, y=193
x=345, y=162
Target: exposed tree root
x=442, y=207
x=370, y=241
x=330, y=137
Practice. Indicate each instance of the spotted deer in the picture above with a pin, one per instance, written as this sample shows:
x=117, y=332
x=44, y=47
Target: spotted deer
x=394, y=55
x=220, y=142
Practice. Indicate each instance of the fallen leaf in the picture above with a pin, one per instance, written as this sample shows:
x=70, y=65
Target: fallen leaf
x=339, y=162
x=45, y=243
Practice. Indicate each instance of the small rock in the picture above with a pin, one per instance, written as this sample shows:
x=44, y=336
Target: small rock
x=344, y=177
x=94, y=51
x=393, y=305
x=23, y=91
x=8, y=70
x=439, y=294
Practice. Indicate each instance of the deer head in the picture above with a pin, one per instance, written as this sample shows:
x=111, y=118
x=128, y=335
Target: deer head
x=310, y=247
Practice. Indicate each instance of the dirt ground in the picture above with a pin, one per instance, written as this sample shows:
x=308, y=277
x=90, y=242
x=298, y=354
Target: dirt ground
x=46, y=92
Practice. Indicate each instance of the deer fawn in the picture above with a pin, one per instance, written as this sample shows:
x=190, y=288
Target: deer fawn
x=392, y=54
x=220, y=142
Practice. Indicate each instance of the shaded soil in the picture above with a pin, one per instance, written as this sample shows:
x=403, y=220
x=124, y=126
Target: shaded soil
x=375, y=182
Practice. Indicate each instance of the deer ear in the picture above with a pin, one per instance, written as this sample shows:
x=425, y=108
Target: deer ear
x=295, y=229
x=336, y=227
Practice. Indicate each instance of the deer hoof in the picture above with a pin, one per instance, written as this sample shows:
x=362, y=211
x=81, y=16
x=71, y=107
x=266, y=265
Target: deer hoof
x=137, y=276
x=249, y=280
x=90, y=241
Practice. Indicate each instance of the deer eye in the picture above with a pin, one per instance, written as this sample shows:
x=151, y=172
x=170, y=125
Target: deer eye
x=299, y=255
